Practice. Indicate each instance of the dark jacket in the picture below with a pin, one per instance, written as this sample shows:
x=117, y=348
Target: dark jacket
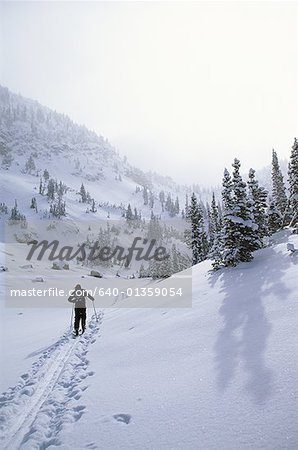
x=80, y=301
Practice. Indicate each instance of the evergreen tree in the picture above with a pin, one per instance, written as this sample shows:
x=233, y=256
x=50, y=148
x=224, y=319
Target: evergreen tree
x=226, y=252
x=278, y=187
x=170, y=206
x=61, y=189
x=244, y=225
x=16, y=215
x=186, y=205
x=293, y=184
x=274, y=219
x=135, y=214
x=145, y=195
x=197, y=238
x=216, y=251
x=154, y=230
x=214, y=223
x=30, y=165
x=83, y=194
x=162, y=199
x=142, y=271
x=128, y=214
x=93, y=208
x=33, y=203
x=175, y=259
x=88, y=197
x=3, y=208
x=51, y=189
x=176, y=206
x=151, y=199
x=169, y=203
x=46, y=175
x=258, y=203
x=238, y=239
x=160, y=269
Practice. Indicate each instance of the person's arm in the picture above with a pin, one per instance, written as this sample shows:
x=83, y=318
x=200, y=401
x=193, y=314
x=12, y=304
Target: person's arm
x=90, y=296
x=71, y=299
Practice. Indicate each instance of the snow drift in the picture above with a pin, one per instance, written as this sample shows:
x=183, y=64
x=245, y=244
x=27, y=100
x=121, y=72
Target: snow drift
x=222, y=374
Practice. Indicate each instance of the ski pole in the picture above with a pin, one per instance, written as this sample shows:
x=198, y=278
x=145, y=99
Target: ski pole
x=71, y=316
x=95, y=312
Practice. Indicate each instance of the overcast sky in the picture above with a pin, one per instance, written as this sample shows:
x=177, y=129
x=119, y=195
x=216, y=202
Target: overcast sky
x=180, y=88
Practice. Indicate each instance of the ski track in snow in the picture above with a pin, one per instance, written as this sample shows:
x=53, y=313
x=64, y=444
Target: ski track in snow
x=46, y=397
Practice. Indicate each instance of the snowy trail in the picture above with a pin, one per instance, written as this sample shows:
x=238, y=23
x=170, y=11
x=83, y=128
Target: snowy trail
x=33, y=412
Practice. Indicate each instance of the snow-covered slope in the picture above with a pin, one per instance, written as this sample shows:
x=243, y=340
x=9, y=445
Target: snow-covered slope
x=74, y=155
x=222, y=374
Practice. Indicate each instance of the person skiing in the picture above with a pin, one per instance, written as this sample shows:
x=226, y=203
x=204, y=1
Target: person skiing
x=78, y=297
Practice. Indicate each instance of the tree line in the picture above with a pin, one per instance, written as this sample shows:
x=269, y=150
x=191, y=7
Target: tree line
x=246, y=216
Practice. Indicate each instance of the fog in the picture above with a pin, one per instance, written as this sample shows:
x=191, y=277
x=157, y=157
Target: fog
x=180, y=88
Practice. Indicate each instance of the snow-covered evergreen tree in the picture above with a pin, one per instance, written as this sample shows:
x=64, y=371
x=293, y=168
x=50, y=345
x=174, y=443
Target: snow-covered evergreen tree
x=151, y=199
x=93, y=208
x=176, y=206
x=197, y=239
x=161, y=269
x=274, y=218
x=244, y=225
x=145, y=195
x=257, y=197
x=186, y=205
x=51, y=189
x=278, y=187
x=237, y=240
x=225, y=247
x=3, y=208
x=214, y=222
x=30, y=165
x=128, y=214
x=169, y=204
x=175, y=259
x=33, y=204
x=162, y=199
x=46, y=175
x=142, y=271
x=154, y=230
x=16, y=215
x=293, y=184
x=58, y=209
x=83, y=194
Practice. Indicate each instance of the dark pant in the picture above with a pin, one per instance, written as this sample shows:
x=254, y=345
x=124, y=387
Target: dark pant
x=80, y=315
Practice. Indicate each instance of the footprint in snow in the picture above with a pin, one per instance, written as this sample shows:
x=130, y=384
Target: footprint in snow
x=78, y=411
x=27, y=391
x=92, y=446
x=25, y=376
x=124, y=418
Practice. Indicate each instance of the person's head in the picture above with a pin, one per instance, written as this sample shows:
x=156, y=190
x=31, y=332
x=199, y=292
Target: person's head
x=78, y=289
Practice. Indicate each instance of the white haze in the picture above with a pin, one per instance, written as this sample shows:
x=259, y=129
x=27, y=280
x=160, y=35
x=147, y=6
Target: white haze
x=180, y=88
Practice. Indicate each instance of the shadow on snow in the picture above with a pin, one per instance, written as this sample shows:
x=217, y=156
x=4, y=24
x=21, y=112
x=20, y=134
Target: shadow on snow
x=243, y=337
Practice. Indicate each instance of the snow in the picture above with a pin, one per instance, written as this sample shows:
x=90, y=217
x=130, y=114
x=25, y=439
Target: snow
x=222, y=374
x=74, y=155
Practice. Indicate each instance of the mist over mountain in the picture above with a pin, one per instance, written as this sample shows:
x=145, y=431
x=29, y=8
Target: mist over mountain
x=34, y=138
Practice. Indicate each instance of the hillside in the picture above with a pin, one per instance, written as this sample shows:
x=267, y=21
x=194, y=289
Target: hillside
x=34, y=138
x=222, y=374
